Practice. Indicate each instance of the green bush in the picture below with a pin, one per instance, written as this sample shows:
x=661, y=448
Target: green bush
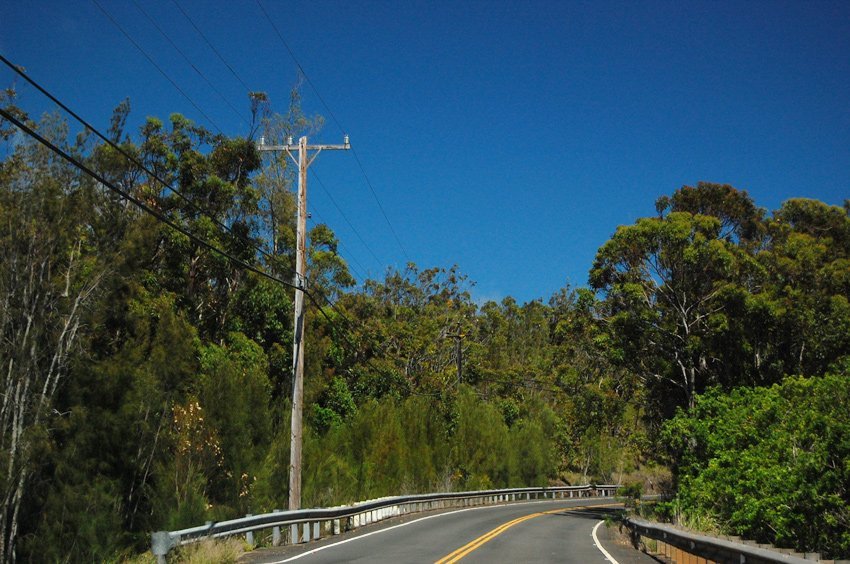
x=772, y=464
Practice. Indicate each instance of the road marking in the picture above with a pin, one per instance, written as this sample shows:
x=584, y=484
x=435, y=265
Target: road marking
x=363, y=536
x=487, y=537
x=599, y=544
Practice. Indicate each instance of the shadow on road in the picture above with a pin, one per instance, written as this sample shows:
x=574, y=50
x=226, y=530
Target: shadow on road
x=594, y=513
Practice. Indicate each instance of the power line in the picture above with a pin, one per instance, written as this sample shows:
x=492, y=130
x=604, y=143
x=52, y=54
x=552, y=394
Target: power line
x=247, y=242
x=211, y=46
x=180, y=229
x=345, y=217
x=209, y=246
x=351, y=325
x=185, y=58
x=300, y=68
x=135, y=201
x=334, y=323
x=359, y=271
x=338, y=124
x=151, y=61
x=378, y=201
x=156, y=214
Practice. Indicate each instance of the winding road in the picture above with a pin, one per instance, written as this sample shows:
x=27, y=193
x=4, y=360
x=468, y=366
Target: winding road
x=539, y=531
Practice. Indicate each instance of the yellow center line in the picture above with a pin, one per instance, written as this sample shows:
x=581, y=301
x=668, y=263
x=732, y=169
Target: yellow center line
x=487, y=537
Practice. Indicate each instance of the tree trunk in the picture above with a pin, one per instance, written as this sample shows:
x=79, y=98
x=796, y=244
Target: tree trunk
x=43, y=297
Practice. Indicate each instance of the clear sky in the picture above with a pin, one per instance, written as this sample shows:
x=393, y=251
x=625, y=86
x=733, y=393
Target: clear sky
x=509, y=138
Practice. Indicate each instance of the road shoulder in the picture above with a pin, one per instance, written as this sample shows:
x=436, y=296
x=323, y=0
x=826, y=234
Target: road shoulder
x=618, y=545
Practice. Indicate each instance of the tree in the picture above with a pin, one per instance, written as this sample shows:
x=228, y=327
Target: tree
x=48, y=277
x=664, y=279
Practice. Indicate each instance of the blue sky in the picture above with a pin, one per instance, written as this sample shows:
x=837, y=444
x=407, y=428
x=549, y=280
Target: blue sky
x=509, y=138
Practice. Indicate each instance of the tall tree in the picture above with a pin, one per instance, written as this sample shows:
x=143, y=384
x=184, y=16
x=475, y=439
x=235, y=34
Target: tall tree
x=48, y=276
x=664, y=278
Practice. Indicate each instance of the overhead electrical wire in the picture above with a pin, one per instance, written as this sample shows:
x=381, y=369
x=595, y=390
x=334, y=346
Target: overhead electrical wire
x=211, y=46
x=242, y=82
x=209, y=246
x=190, y=63
x=142, y=205
x=381, y=207
x=344, y=216
x=151, y=61
x=135, y=161
x=165, y=184
x=338, y=124
x=300, y=68
x=206, y=244
x=358, y=268
x=346, y=254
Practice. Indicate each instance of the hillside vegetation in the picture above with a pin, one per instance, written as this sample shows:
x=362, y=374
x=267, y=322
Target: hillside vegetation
x=146, y=378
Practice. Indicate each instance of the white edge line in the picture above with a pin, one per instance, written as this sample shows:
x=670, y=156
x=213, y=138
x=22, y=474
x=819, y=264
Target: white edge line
x=363, y=536
x=599, y=545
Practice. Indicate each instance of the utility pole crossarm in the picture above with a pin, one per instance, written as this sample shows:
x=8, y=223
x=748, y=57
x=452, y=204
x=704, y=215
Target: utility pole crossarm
x=263, y=147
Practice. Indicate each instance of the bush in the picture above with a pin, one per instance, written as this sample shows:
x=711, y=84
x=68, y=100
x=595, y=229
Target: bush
x=771, y=464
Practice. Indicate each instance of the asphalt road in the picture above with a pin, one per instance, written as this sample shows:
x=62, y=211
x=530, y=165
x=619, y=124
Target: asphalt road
x=544, y=531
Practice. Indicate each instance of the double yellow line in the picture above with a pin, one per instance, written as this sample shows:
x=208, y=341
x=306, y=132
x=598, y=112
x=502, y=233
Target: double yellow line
x=487, y=537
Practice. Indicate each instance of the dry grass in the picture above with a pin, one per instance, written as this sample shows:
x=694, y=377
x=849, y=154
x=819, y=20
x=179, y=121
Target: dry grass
x=144, y=558
x=654, y=479
x=225, y=551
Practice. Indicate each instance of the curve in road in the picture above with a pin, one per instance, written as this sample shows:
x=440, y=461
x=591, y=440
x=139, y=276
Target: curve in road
x=543, y=531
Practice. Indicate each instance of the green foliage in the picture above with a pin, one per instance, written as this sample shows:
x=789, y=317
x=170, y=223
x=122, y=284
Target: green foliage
x=233, y=391
x=714, y=292
x=631, y=493
x=770, y=463
x=172, y=407
x=335, y=406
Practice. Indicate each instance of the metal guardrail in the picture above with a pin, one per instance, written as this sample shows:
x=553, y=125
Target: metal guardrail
x=311, y=524
x=712, y=548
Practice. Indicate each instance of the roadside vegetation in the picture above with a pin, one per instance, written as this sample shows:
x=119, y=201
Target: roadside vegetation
x=146, y=379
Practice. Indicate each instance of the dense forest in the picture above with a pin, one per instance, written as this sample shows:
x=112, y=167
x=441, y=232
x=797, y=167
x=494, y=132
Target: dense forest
x=146, y=375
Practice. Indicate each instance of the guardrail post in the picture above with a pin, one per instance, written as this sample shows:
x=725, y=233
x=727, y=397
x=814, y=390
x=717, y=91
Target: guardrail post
x=276, y=532
x=293, y=534
x=249, y=536
x=317, y=530
x=161, y=543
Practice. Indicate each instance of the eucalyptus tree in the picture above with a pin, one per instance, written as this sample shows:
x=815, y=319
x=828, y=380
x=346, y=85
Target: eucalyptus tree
x=664, y=281
x=49, y=275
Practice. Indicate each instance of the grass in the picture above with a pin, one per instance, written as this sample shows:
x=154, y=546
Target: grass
x=225, y=551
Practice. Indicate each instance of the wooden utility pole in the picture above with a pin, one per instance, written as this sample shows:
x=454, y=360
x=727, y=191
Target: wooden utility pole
x=303, y=161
